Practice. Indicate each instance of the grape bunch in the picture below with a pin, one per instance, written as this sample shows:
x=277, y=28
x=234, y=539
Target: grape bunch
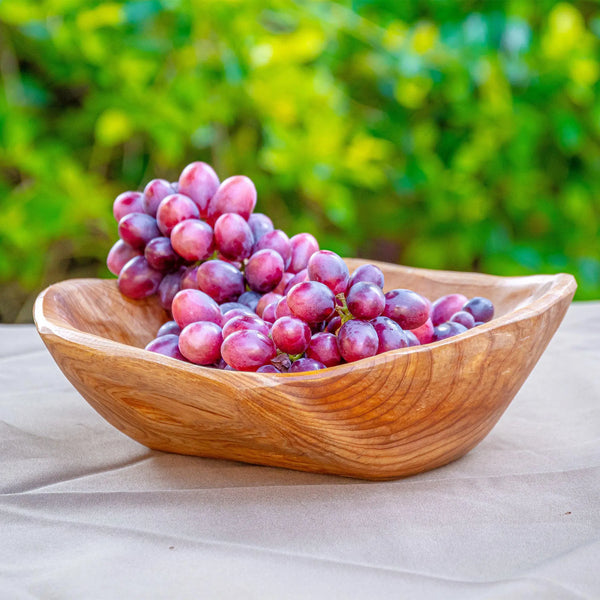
x=244, y=296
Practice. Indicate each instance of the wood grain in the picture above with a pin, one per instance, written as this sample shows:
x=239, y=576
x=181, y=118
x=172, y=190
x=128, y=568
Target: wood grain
x=388, y=416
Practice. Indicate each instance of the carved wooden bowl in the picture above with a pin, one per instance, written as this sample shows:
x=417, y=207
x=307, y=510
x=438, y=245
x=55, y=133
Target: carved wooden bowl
x=392, y=415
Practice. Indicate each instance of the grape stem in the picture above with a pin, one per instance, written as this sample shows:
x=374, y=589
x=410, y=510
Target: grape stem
x=342, y=311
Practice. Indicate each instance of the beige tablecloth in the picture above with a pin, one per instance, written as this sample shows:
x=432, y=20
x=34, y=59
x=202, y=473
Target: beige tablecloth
x=87, y=513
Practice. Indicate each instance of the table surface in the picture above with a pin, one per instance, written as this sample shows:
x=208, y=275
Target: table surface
x=87, y=513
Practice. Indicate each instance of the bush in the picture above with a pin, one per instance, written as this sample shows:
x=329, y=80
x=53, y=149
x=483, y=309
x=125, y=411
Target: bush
x=422, y=133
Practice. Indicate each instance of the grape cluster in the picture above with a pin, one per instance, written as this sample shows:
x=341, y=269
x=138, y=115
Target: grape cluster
x=244, y=296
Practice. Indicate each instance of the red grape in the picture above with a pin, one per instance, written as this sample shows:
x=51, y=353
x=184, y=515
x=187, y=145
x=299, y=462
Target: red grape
x=220, y=280
x=390, y=334
x=275, y=240
x=120, y=254
x=250, y=299
x=446, y=330
x=137, y=229
x=253, y=322
x=365, y=300
x=154, y=192
x=199, y=182
x=264, y=270
x=168, y=328
x=291, y=335
x=167, y=345
x=236, y=194
x=174, y=209
x=247, y=350
x=160, y=254
x=413, y=340
x=303, y=246
x=323, y=347
x=311, y=301
x=190, y=306
x=233, y=236
x=127, y=203
x=200, y=342
x=464, y=318
x=268, y=314
x=267, y=369
x=282, y=309
x=266, y=300
x=407, y=308
x=424, y=333
x=193, y=239
x=306, y=364
x=259, y=224
x=482, y=309
x=328, y=268
x=443, y=308
x=297, y=278
x=138, y=279
x=369, y=273
x=357, y=340
x=169, y=286
x=189, y=278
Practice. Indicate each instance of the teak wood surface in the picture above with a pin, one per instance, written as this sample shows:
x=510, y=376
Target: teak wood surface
x=392, y=415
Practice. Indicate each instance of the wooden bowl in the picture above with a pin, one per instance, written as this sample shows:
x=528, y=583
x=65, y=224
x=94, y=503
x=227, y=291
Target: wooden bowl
x=392, y=415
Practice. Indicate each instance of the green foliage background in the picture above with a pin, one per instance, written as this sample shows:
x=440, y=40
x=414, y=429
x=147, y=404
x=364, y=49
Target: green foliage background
x=443, y=134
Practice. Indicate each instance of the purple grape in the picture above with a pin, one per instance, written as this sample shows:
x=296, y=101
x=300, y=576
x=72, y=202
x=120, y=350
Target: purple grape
x=303, y=365
x=333, y=324
x=138, y=279
x=167, y=345
x=291, y=335
x=297, y=278
x=189, y=278
x=193, y=239
x=220, y=280
x=250, y=299
x=390, y=335
x=170, y=327
x=365, y=300
x=190, y=306
x=137, y=229
x=424, y=333
x=267, y=369
x=328, y=268
x=357, y=340
x=323, y=347
x=160, y=254
x=154, y=192
x=407, y=308
x=369, y=273
x=174, y=209
x=446, y=330
x=247, y=350
x=236, y=194
x=226, y=307
x=303, y=246
x=241, y=322
x=464, y=318
x=200, y=342
x=413, y=340
x=482, y=309
x=264, y=270
x=199, y=182
x=266, y=300
x=233, y=236
x=443, y=308
x=127, y=203
x=311, y=301
x=169, y=286
x=275, y=240
x=260, y=225
x=119, y=255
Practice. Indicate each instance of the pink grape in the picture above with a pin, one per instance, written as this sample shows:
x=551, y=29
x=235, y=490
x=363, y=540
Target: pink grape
x=189, y=278
x=259, y=224
x=303, y=246
x=443, y=308
x=138, y=279
x=233, y=236
x=282, y=309
x=285, y=279
x=464, y=318
x=160, y=254
x=303, y=365
x=264, y=270
x=199, y=182
x=390, y=335
x=253, y=322
x=119, y=255
x=236, y=194
x=328, y=268
x=250, y=299
x=482, y=309
x=247, y=350
x=265, y=301
x=357, y=340
x=167, y=345
x=311, y=301
x=276, y=240
x=154, y=192
x=407, y=308
x=174, y=209
x=127, y=203
x=365, y=300
x=170, y=327
x=297, y=278
x=220, y=280
x=369, y=273
x=169, y=286
x=268, y=314
x=190, y=306
x=323, y=347
x=424, y=333
x=200, y=342
x=193, y=239
x=291, y=335
x=137, y=229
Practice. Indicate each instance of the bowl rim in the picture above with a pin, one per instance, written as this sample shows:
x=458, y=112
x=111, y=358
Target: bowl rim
x=558, y=286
